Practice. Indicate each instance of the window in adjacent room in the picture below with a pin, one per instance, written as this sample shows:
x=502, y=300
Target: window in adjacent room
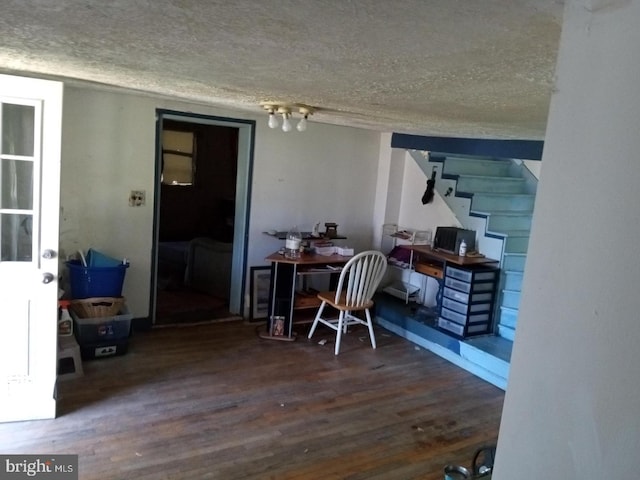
x=178, y=157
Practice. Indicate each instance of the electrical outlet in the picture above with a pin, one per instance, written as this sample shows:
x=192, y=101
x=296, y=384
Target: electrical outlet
x=137, y=198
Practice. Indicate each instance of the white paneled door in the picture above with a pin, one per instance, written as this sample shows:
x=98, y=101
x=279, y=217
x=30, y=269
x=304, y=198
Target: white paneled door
x=30, y=124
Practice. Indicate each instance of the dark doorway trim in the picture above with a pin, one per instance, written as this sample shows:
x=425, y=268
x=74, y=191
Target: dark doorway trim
x=246, y=145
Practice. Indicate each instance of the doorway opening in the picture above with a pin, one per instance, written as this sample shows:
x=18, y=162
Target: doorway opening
x=202, y=179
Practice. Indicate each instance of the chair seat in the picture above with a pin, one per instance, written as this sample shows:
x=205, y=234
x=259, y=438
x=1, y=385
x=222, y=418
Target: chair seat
x=330, y=297
x=358, y=281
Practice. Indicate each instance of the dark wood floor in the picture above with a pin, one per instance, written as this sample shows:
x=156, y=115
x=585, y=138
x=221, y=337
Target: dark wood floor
x=216, y=401
x=182, y=305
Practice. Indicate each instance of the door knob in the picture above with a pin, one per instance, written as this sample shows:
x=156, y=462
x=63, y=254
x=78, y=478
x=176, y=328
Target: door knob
x=47, y=277
x=48, y=253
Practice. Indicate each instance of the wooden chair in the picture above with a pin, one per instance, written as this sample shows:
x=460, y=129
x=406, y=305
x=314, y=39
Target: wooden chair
x=358, y=282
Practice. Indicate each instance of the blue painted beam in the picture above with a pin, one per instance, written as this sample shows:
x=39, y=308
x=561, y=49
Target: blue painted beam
x=520, y=149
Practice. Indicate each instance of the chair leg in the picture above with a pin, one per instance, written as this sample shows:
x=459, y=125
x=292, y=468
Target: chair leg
x=345, y=326
x=370, y=325
x=315, y=322
x=339, y=331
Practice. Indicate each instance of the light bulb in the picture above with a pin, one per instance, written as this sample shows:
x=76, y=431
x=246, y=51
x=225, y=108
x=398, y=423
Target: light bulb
x=273, y=121
x=302, y=124
x=286, y=124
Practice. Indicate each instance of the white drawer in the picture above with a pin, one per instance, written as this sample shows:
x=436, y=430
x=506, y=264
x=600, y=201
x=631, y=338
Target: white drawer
x=459, y=274
x=467, y=275
x=451, y=326
x=466, y=297
x=478, y=328
x=464, y=308
x=467, y=287
x=463, y=319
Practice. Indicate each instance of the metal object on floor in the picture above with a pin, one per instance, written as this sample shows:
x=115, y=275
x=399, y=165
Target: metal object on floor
x=481, y=466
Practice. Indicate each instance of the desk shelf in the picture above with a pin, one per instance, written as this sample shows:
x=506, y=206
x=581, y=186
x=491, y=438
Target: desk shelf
x=403, y=290
x=392, y=238
x=290, y=296
x=306, y=299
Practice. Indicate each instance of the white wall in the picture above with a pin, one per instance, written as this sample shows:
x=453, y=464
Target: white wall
x=403, y=183
x=572, y=408
x=108, y=149
x=534, y=166
x=325, y=174
x=412, y=212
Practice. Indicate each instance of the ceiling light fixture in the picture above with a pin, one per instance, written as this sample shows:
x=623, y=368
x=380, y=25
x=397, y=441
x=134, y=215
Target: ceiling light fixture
x=273, y=121
x=286, y=110
x=286, y=113
x=302, y=124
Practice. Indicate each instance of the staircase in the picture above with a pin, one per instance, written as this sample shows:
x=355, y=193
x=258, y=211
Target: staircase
x=502, y=193
x=495, y=198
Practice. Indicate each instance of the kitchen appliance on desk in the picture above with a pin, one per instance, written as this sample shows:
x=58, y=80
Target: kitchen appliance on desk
x=448, y=239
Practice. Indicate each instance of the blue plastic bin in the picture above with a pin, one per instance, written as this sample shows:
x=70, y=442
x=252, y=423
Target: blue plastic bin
x=99, y=259
x=88, y=282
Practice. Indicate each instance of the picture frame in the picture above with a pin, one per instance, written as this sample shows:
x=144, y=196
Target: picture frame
x=260, y=285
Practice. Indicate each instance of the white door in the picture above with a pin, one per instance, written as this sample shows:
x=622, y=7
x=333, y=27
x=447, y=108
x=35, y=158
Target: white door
x=30, y=127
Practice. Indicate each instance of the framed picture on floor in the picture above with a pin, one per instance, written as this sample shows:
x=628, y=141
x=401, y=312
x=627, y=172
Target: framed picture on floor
x=260, y=282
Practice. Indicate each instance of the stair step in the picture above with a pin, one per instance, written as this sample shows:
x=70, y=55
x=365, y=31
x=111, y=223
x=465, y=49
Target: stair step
x=493, y=201
x=485, y=356
x=507, y=333
x=508, y=317
x=501, y=222
x=486, y=184
x=512, y=280
x=493, y=345
x=488, y=355
x=511, y=299
x=516, y=242
x=514, y=261
x=476, y=166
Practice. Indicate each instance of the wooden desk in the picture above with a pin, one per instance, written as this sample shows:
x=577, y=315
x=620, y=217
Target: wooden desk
x=284, y=297
x=306, y=236
x=424, y=255
x=433, y=263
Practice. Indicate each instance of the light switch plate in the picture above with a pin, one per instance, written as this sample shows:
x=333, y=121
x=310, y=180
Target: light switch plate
x=137, y=198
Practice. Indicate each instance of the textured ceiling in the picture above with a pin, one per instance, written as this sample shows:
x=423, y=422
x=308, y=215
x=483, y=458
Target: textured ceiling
x=446, y=67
